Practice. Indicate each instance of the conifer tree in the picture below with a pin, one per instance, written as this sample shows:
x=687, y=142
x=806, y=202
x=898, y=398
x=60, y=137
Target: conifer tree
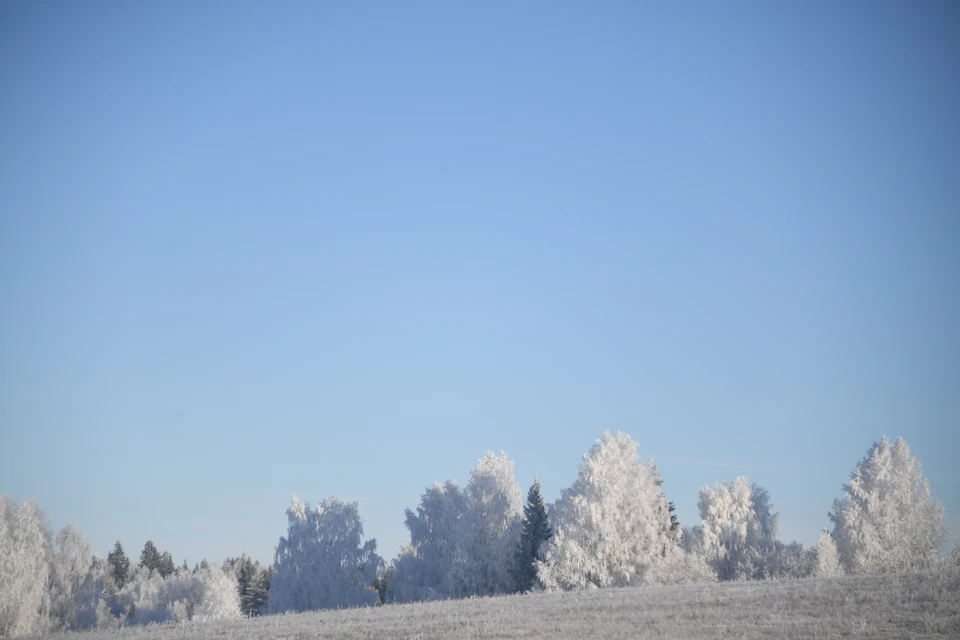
x=119, y=565
x=166, y=566
x=150, y=557
x=535, y=531
x=888, y=520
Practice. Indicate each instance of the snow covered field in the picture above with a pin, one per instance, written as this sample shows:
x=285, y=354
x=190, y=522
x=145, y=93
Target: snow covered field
x=903, y=606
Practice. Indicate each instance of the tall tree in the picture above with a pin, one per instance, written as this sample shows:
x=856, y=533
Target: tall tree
x=251, y=583
x=323, y=562
x=494, y=503
x=429, y=566
x=612, y=525
x=76, y=582
x=462, y=543
x=24, y=568
x=150, y=557
x=739, y=534
x=535, y=533
x=888, y=520
x=119, y=565
x=166, y=566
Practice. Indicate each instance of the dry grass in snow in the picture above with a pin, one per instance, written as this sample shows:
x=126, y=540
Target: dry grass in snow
x=903, y=606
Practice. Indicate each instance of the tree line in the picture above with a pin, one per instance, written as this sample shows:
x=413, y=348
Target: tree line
x=612, y=527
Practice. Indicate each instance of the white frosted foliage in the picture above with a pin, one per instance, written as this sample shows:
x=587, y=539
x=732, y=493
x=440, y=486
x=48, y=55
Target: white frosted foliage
x=888, y=520
x=828, y=561
x=323, y=562
x=612, y=525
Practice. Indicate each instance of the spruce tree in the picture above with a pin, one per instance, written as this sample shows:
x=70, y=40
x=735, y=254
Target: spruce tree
x=166, y=566
x=150, y=557
x=535, y=532
x=254, y=601
x=119, y=565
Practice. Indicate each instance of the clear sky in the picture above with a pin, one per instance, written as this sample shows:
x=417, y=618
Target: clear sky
x=344, y=248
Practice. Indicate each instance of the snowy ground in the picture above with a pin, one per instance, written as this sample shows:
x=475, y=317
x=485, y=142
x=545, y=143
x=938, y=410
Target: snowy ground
x=912, y=606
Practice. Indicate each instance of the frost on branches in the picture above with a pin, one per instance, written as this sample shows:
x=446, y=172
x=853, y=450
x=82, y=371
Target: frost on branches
x=828, y=562
x=24, y=568
x=461, y=542
x=76, y=582
x=738, y=533
x=887, y=520
x=612, y=525
x=493, y=525
x=209, y=594
x=323, y=562
x=429, y=566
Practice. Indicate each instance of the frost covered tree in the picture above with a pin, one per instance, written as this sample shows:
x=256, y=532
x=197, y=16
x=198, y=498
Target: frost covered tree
x=461, y=542
x=119, y=564
x=323, y=562
x=430, y=566
x=828, y=561
x=952, y=560
x=208, y=594
x=738, y=534
x=888, y=520
x=253, y=583
x=612, y=525
x=493, y=500
x=76, y=582
x=535, y=533
x=24, y=568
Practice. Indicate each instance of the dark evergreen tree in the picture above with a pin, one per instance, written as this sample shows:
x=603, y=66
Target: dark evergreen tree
x=166, y=566
x=674, y=523
x=185, y=568
x=119, y=565
x=150, y=557
x=258, y=592
x=535, y=532
x=248, y=583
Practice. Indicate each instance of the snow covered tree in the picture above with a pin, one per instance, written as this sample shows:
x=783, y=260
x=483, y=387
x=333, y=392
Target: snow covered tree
x=828, y=562
x=493, y=500
x=257, y=597
x=738, y=532
x=24, y=568
x=612, y=525
x=76, y=582
x=679, y=567
x=461, y=542
x=887, y=520
x=953, y=558
x=535, y=533
x=252, y=583
x=323, y=562
x=209, y=594
x=218, y=599
x=429, y=567
x=119, y=564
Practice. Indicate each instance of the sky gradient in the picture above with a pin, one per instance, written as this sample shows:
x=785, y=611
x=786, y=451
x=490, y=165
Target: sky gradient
x=343, y=249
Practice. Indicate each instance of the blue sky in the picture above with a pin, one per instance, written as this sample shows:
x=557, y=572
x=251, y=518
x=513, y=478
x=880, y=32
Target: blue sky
x=252, y=249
